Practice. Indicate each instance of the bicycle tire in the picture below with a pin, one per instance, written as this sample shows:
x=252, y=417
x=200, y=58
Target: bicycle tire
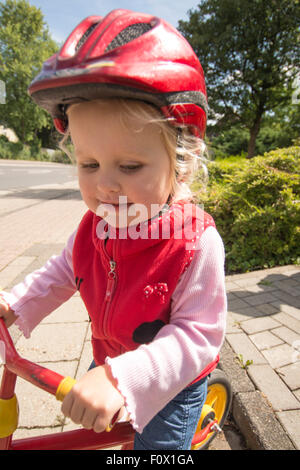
x=219, y=397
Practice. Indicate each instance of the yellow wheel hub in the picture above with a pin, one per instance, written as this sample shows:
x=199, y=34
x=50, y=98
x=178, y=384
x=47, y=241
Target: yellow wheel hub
x=9, y=414
x=213, y=408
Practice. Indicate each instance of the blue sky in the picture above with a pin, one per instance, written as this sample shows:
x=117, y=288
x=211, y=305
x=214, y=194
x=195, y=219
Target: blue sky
x=63, y=15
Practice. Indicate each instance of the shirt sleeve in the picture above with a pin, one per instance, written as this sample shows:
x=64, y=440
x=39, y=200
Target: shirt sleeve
x=153, y=374
x=43, y=290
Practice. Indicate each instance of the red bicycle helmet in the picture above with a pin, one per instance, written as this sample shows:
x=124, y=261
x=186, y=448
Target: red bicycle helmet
x=125, y=55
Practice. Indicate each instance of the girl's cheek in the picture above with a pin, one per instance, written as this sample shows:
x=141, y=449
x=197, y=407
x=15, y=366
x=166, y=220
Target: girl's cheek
x=85, y=181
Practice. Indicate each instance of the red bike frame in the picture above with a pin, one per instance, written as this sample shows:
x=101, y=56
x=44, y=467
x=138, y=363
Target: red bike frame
x=48, y=380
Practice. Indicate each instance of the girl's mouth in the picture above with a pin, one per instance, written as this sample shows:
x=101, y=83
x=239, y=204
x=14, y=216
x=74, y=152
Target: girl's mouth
x=117, y=205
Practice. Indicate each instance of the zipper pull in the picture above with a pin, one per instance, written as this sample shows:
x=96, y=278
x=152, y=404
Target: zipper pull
x=111, y=280
x=113, y=265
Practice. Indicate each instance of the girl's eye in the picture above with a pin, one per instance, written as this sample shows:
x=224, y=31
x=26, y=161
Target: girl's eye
x=90, y=166
x=130, y=168
x=124, y=168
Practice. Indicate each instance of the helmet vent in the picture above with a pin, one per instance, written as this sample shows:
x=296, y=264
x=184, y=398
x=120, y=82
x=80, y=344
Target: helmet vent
x=128, y=34
x=85, y=36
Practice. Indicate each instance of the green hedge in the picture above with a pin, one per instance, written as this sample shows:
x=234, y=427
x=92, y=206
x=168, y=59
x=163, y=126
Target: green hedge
x=256, y=207
x=18, y=151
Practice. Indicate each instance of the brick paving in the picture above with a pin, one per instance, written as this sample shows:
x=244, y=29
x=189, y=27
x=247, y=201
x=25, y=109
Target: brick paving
x=264, y=331
x=263, y=326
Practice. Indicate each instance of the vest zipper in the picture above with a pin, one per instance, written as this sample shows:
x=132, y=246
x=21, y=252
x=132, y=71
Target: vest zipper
x=111, y=283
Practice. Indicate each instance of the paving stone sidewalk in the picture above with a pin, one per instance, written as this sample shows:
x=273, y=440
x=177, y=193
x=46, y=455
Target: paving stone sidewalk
x=263, y=332
x=261, y=354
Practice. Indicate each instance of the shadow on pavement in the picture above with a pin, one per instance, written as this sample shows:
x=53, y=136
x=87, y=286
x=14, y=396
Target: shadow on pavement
x=45, y=194
x=265, y=296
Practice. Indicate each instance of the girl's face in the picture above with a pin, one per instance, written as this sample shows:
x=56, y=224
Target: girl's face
x=119, y=164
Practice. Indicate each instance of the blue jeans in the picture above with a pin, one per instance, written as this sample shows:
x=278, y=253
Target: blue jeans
x=174, y=426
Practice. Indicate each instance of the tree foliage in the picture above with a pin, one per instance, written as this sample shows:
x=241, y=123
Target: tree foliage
x=256, y=207
x=25, y=43
x=279, y=128
x=250, y=52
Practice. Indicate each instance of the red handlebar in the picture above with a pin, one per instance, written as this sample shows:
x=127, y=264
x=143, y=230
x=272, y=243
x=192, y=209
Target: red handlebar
x=52, y=383
x=37, y=375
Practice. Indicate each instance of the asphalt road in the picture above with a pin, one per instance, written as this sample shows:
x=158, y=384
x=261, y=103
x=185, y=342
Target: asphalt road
x=19, y=174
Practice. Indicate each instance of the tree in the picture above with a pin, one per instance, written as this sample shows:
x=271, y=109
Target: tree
x=25, y=43
x=279, y=128
x=249, y=50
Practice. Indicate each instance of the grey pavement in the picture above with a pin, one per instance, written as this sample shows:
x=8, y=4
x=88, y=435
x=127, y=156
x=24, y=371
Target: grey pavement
x=261, y=354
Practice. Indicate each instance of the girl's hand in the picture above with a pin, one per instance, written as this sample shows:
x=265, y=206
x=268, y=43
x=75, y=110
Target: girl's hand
x=7, y=313
x=94, y=400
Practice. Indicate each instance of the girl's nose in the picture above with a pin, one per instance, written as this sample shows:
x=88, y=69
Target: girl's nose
x=107, y=183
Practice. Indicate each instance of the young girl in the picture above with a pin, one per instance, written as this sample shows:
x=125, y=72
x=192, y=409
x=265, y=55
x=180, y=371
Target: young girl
x=149, y=265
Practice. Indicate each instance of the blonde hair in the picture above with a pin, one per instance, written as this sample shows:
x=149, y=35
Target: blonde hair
x=188, y=153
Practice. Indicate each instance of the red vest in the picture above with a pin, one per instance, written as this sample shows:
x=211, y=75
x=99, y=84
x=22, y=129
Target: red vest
x=127, y=279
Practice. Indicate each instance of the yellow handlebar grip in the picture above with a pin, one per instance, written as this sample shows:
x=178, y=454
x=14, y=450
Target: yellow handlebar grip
x=109, y=427
x=64, y=388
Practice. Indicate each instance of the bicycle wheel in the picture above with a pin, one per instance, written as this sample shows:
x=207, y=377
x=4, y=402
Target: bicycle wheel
x=217, y=406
